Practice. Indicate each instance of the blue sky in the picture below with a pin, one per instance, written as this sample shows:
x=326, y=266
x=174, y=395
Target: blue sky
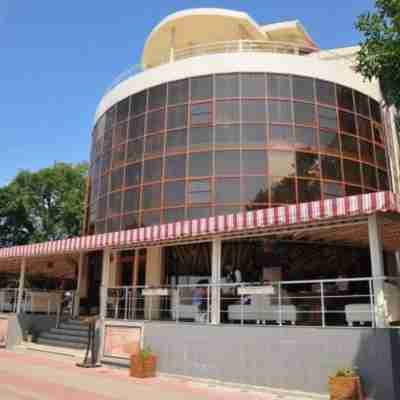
x=57, y=58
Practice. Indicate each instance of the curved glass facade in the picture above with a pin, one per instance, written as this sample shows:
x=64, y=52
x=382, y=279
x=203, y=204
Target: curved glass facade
x=225, y=143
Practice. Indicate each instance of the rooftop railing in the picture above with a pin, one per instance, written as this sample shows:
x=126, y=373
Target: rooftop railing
x=234, y=46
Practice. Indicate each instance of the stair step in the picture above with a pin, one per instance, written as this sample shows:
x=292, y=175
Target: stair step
x=69, y=332
x=75, y=327
x=57, y=343
x=63, y=338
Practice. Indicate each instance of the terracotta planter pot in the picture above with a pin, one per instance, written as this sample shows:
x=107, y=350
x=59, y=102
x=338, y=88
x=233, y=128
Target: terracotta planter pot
x=345, y=388
x=143, y=368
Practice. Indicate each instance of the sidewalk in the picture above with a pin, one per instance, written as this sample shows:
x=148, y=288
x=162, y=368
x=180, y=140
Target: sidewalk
x=27, y=375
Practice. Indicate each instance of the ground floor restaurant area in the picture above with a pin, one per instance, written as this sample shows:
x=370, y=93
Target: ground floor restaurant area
x=248, y=299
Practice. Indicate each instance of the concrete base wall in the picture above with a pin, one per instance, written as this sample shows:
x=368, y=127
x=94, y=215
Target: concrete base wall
x=287, y=358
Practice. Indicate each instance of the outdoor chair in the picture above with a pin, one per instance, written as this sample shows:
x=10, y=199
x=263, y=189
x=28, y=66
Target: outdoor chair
x=261, y=310
x=181, y=307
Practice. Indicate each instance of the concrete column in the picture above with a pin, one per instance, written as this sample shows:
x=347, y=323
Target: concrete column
x=20, y=295
x=105, y=278
x=136, y=268
x=377, y=269
x=79, y=284
x=216, y=252
x=154, y=277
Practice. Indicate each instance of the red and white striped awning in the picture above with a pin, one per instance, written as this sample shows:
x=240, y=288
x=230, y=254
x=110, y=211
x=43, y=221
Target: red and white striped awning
x=263, y=221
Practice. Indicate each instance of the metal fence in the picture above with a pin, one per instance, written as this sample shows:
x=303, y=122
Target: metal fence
x=322, y=303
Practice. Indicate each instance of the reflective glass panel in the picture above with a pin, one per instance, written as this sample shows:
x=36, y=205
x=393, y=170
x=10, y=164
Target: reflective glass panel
x=305, y=138
x=309, y=190
x=136, y=127
x=201, y=113
x=174, y=193
x=178, y=92
x=152, y=170
x=253, y=85
x=254, y=110
x=135, y=150
x=201, y=136
x=123, y=110
x=254, y=134
x=254, y=162
x=283, y=191
x=326, y=92
x=327, y=118
x=369, y=174
x=227, y=111
x=173, y=215
x=304, y=113
x=157, y=96
x=279, y=111
x=349, y=146
x=138, y=103
x=364, y=128
x=131, y=200
x=279, y=86
x=255, y=189
x=175, y=167
x=227, y=190
x=344, y=97
x=117, y=176
x=281, y=163
x=201, y=88
x=177, y=117
x=281, y=135
x=329, y=141
x=331, y=168
x=307, y=165
x=226, y=86
x=303, y=88
x=352, y=172
x=227, y=134
x=133, y=174
x=155, y=121
x=152, y=196
x=176, y=140
x=227, y=162
x=347, y=122
x=200, y=164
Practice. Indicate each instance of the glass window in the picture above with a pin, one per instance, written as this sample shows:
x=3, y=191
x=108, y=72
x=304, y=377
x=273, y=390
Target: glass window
x=369, y=175
x=157, y=96
x=344, y=97
x=353, y=190
x=307, y=165
x=352, y=172
x=380, y=156
x=152, y=170
x=254, y=162
x=110, y=118
x=103, y=189
x=201, y=114
x=201, y=136
x=227, y=134
x=224, y=210
x=309, y=190
x=100, y=227
x=135, y=150
x=131, y=200
x=227, y=111
x=331, y=168
x=227, y=190
x=136, y=127
x=325, y=92
x=154, y=143
x=347, y=123
x=362, y=104
x=152, y=196
x=101, y=208
x=367, y=151
x=117, y=177
x=174, y=193
x=178, y=92
x=329, y=142
x=226, y=86
x=283, y=191
x=349, y=146
x=138, y=103
x=114, y=224
x=254, y=110
x=279, y=86
x=255, y=189
x=304, y=113
x=305, y=138
x=227, y=162
x=200, y=164
x=303, y=88
x=123, y=110
x=383, y=180
x=281, y=163
x=279, y=111
x=281, y=135
x=375, y=111
x=114, y=203
x=108, y=138
x=253, y=85
x=378, y=133
x=327, y=118
x=175, y=167
x=176, y=140
x=155, y=121
x=177, y=117
x=173, y=215
x=364, y=128
x=130, y=221
x=199, y=212
x=199, y=191
x=118, y=155
x=332, y=190
x=151, y=218
x=133, y=174
x=201, y=88
x=120, y=133
x=254, y=134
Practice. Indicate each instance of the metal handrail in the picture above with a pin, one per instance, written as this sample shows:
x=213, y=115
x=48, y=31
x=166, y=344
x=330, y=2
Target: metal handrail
x=232, y=46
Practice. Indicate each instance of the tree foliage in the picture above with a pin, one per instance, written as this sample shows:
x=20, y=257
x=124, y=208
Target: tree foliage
x=43, y=205
x=379, y=56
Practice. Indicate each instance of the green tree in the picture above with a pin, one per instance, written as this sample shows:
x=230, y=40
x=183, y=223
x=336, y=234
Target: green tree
x=43, y=205
x=379, y=56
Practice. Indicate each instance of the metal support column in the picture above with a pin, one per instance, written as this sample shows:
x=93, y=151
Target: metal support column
x=21, y=286
x=216, y=252
x=77, y=299
x=377, y=269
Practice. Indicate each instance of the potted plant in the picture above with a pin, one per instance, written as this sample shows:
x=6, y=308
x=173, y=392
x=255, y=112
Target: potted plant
x=143, y=364
x=345, y=384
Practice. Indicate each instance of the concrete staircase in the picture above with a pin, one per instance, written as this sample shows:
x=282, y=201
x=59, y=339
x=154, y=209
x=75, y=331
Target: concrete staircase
x=70, y=334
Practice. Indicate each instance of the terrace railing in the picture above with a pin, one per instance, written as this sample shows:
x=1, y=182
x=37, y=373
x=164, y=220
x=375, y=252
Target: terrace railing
x=373, y=302
x=223, y=47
